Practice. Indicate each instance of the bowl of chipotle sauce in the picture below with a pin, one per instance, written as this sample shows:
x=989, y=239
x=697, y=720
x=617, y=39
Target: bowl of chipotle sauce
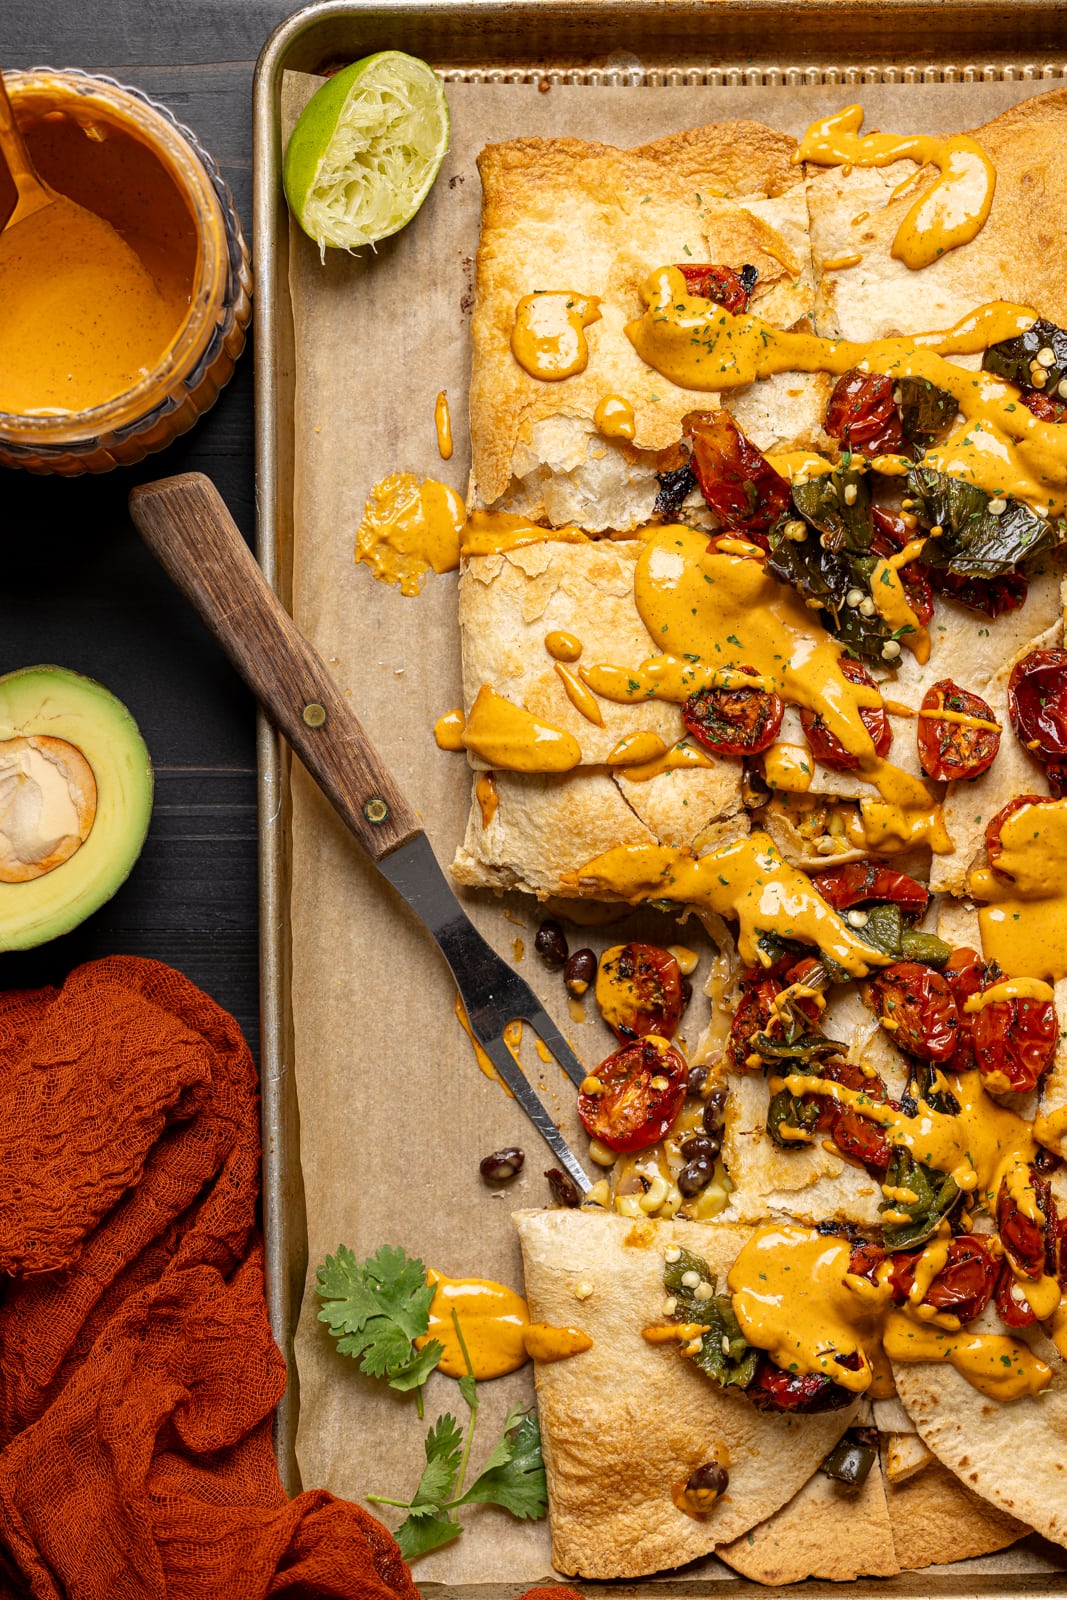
x=121, y=315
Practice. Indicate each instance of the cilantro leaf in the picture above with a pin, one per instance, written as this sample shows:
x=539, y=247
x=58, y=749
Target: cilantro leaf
x=443, y=1446
x=514, y=1475
x=376, y=1309
x=416, y=1536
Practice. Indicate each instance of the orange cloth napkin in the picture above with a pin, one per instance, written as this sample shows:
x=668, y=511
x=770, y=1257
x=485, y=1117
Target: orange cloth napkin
x=138, y=1375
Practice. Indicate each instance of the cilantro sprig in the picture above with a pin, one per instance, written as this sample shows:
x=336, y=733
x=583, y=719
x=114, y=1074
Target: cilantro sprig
x=377, y=1309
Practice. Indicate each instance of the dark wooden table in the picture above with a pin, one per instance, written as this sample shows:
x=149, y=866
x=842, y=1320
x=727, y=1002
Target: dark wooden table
x=78, y=589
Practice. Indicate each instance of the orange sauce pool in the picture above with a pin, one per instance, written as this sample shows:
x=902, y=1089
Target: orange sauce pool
x=91, y=294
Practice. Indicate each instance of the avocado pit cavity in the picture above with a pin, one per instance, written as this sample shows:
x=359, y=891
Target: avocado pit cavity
x=47, y=805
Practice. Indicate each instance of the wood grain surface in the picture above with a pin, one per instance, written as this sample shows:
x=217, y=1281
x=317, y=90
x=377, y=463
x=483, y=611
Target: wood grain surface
x=79, y=588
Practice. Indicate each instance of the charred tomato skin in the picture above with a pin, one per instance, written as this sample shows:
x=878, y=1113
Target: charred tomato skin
x=801, y=1393
x=990, y=597
x=629, y=1112
x=995, y=826
x=919, y=1006
x=862, y=413
x=1014, y=1043
x=737, y=481
x=734, y=722
x=948, y=749
x=965, y=973
x=1012, y=1312
x=855, y=1135
x=963, y=1287
x=1023, y=1238
x=728, y=288
x=858, y=882
x=639, y=991
x=826, y=747
x=1037, y=703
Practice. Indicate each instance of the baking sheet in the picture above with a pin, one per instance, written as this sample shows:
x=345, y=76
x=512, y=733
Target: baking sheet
x=394, y=1113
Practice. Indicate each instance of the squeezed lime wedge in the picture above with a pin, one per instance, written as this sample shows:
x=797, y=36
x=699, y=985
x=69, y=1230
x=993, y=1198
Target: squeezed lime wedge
x=366, y=150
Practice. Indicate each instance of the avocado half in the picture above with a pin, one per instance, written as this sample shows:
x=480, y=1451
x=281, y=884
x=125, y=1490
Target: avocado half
x=75, y=801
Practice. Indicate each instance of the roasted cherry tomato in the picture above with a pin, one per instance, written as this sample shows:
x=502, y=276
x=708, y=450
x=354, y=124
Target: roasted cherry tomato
x=863, y=414
x=1056, y=773
x=916, y=1005
x=957, y=732
x=1013, y=1308
x=736, y=479
x=865, y=1261
x=963, y=1287
x=636, y=1095
x=1037, y=703
x=891, y=535
x=853, y=1133
x=1043, y=406
x=1023, y=1238
x=727, y=288
x=639, y=991
x=995, y=826
x=772, y=1389
x=989, y=596
x=965, y=973
x=1014, y=1043
x=734, y=722
x=826, y=747
x=861, y=881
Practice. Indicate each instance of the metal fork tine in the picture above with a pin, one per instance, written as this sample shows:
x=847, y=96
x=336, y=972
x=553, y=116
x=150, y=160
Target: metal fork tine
x=518, y=1083
x=542, y=1024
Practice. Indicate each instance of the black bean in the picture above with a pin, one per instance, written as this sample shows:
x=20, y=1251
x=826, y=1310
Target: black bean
x=564, y=1189
x=709, y=1479
x=551, y=944
x=580, y=972
x=502, y=1164
x=714, y=1106
x=695, y=1175
x=699, y=1144
x=698, y=1077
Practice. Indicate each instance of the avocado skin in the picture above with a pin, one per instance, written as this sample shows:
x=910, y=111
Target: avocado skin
x=53, y=701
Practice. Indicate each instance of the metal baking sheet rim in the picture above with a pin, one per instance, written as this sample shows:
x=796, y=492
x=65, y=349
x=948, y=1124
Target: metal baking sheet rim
x=636, y=49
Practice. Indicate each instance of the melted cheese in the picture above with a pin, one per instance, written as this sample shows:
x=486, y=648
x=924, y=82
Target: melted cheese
x=562, y=646
x=1002, y=1368
x=442, y=421
x=489, y=533
x=1010, y=989
x=614, y=417
x=548, y=339
x=580, y=697
x=410, y=526
x=493, y=1320
x=486, y=795
x=546, y=1343
x=949, y=214
x=1023, y=917
x=891, y=601
x=506, y=735
x=1000, y=445
x=746, y=879
x=448, y=730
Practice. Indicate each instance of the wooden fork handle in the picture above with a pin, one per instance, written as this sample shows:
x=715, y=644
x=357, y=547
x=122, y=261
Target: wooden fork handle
x=185, y=523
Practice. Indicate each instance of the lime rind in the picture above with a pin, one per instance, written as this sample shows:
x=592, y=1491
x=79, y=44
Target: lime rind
x=366, y=150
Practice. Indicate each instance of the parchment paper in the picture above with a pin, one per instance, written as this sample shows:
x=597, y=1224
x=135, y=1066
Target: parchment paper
x=395, y=1114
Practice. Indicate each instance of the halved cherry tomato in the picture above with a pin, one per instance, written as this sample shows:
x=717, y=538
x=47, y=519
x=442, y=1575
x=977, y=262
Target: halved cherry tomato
x=1037, y=702
x=965, y=973
x=1023, y=1238
x=642, y=1087
x=988, y=596
x=1043, y=405
x=891, y=535
x=1013, y=1308
x=734, y=722
x=865, y=1261
x=863, y=414
x=948, y=748
x=826, y=746
x=1014, y=1043
x=639, y=991
x=751, y=1015
x=737, y=481
x=995, y=826
x=861, y=881
x=852, y=1132
x=916, y=1005
x=963, y=1287
x=727, y=288
x=772, y=1389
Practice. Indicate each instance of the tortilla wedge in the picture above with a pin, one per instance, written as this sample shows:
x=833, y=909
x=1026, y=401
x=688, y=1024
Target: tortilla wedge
x=626, y=1421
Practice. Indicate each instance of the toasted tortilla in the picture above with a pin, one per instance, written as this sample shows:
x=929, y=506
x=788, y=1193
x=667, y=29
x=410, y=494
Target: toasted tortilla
x=626, y=1421
x=936, y=1518
x=1013, y=1454
x=1016, y=256
x=563, y=214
